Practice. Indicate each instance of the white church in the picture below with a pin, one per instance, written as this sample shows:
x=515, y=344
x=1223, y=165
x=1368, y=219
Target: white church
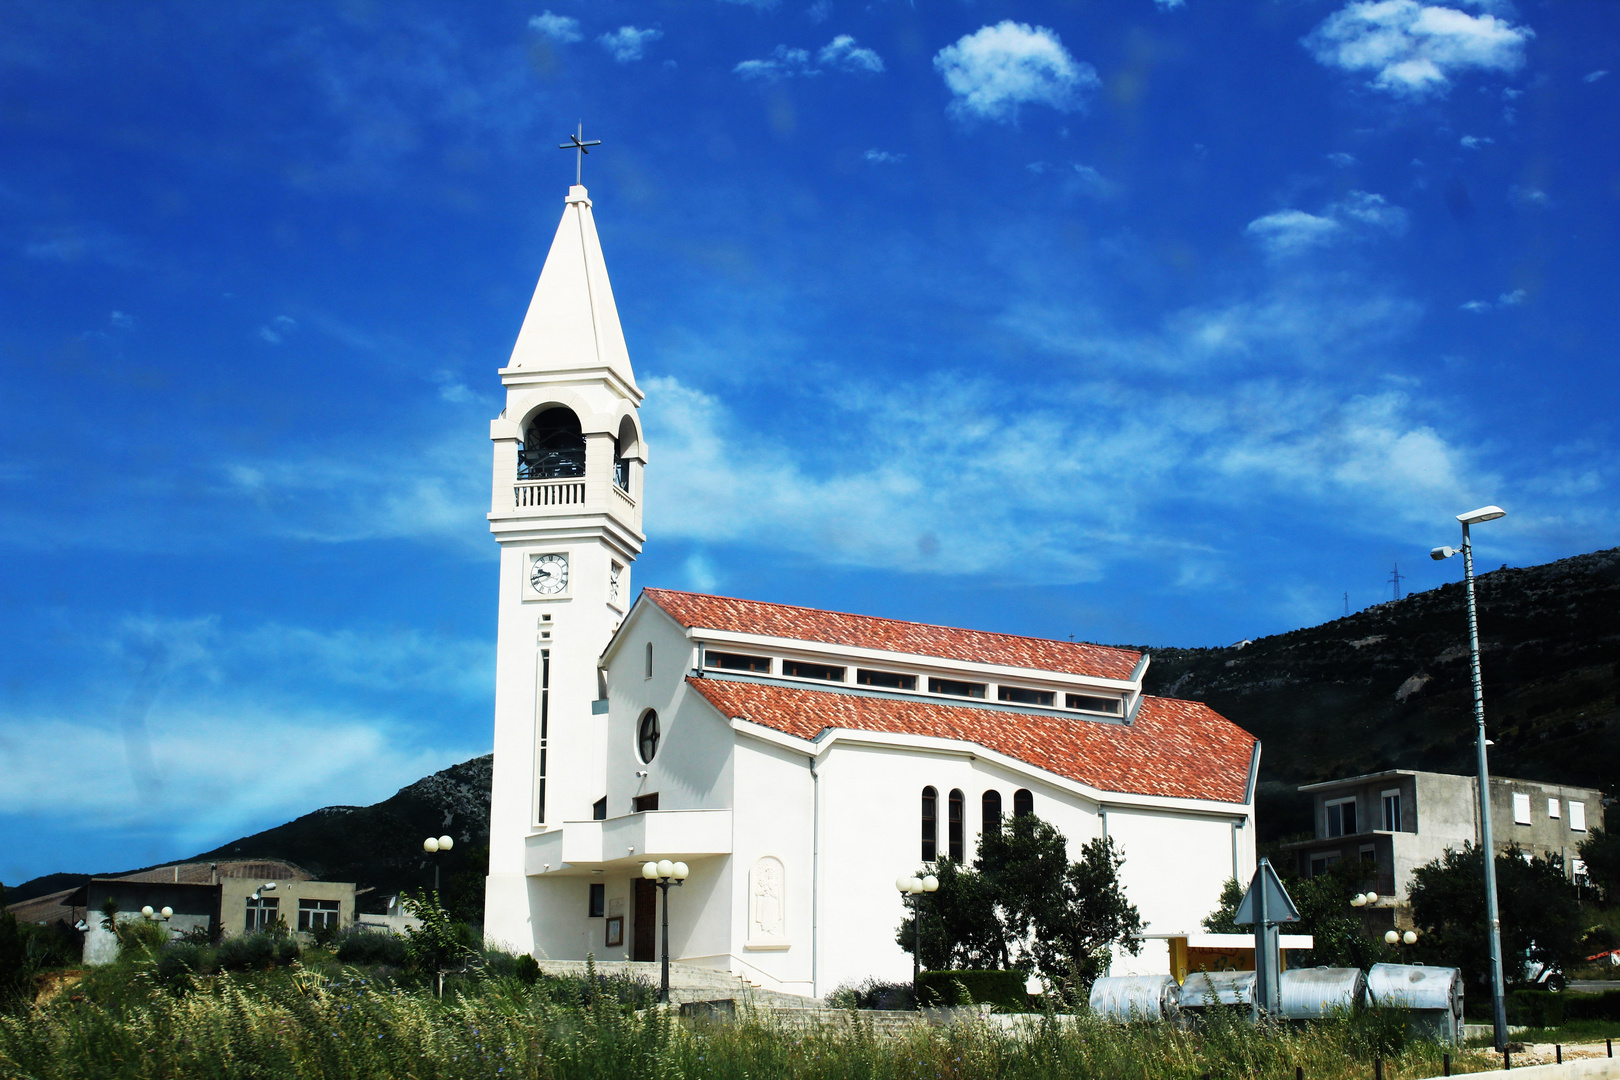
x=798, y=761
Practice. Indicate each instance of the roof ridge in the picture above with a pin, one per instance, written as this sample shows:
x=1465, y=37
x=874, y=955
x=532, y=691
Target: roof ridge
x=887, y=619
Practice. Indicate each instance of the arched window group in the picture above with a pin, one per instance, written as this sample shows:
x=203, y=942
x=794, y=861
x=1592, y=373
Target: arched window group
x=956, y=819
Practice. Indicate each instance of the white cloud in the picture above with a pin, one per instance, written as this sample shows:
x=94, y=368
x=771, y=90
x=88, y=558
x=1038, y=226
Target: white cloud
x=819, y=11
x=884, y=157
x=556, y=27
x=1529, y=196
x=1512, y=299
x=1478, y=307
x=277, y=329
x=1594, y=76
x=121, y=321
x=1291, y=232
x=627, y=43
x=843, y=54
x=1474, y=142
x=996, y=69
x=1416, y=49
x=1170, y=5
x=784, y=63
x=1341, y=160
x=839, y=54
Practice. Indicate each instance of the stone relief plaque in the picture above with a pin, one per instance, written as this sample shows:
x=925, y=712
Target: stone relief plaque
x=767, y=904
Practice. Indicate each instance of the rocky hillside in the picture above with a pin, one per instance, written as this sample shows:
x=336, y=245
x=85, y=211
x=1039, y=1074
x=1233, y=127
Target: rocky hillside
x=1389, y=687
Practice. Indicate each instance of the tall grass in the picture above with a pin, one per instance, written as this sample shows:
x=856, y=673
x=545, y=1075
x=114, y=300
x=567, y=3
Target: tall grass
x=304, y=1024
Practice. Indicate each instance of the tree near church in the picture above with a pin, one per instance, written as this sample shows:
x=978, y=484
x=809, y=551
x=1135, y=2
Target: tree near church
x=1600, y=851
x=1025, y=906
x=1340, y=938
x=1539, y=909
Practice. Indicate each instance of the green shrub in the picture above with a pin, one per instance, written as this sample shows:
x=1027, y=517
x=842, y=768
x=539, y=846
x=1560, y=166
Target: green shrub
x=182, y=959
x=873, y=994
x=526, y=970
x=1604, y=1006
x=1003, y=989
x=371, y=948
x=255, y=952
x=1535, y=1008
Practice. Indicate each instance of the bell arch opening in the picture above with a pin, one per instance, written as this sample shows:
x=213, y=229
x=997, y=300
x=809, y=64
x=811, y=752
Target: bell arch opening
x=553, y=446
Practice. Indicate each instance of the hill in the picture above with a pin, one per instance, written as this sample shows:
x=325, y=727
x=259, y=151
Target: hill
x=1388, y=687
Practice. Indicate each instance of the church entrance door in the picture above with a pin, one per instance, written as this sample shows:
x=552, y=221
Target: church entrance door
x=645, y=945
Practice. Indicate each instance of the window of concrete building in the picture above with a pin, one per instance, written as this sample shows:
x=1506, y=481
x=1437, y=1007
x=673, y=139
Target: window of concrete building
x=737, y=662
x=1023, y=695
x=642, y=804
x=1577, y=816
x=649, y=659
x=1552, y=809
x=647, y=736
x=1392, y=811
x=1341, y=817
x=956, y=812
x=542, y=737
x=318, y=914
x=598, y=902
x=930, y=824
x=1023, y=802
x=1521, y=809
x=894, y=680
x=1320, y=863
x=1091, y=704
x=262, y=912
x=599, y=809
x=798, y=669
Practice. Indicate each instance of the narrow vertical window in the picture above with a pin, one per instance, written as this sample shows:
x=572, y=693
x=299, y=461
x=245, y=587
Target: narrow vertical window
x=930, y=825
x=1392, y=811
x=1023, y=802
x=542, y=736
x=649, y=659
x=954, y=824
x=990, y=810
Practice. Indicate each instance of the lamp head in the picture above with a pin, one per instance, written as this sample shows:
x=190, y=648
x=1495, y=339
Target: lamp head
x=1372, y=898
x=679, y=871
x=903, y=883
x=1358, y=900
x=1484, y=513
x=1392, y=937
x=1440, y=554
x=167, y=912
x=650, y=871
x=665, y=868
x=930, y=883
x=1410, y=937
x=430, y=845
x=268, y=886
x=446, y=843
x=147, y=911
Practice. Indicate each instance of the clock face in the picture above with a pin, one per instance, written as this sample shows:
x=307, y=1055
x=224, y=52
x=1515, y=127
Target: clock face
x=549, y=574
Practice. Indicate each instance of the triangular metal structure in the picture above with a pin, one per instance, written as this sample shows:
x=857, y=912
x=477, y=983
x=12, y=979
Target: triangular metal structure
x=1264, y=906
x=1266, y=902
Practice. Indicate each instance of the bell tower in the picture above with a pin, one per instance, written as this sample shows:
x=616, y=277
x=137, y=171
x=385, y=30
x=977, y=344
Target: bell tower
x=565, y=508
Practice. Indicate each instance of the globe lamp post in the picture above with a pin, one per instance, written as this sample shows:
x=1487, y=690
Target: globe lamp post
x=433, y=845
x=663, y=874
x=913, y=886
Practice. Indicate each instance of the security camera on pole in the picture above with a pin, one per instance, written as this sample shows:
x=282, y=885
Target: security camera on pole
x=1487, y=847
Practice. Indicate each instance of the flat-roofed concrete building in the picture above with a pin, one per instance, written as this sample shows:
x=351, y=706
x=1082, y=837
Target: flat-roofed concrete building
x=1401, y=819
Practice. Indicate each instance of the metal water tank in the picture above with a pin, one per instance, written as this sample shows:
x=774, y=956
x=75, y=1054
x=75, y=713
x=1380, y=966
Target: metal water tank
x=1315, y=993
x=1434, y=995
x=1134, y=997
x=1205, y=988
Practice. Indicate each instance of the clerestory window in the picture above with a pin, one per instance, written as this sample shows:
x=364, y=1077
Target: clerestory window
x=930, y=824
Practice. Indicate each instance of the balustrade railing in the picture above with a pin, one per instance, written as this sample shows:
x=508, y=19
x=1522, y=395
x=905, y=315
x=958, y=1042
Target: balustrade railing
x=548, y=493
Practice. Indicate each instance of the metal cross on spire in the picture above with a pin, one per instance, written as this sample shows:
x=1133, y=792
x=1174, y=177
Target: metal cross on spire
x=578, y=142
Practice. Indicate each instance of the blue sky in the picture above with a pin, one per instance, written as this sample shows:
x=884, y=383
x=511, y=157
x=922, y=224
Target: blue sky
x=1151, y=323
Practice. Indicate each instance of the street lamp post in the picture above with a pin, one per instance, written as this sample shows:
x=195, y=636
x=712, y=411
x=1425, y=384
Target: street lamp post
x=663, y=874
x=1488, y=848
x=913, y=886
x=433, y=845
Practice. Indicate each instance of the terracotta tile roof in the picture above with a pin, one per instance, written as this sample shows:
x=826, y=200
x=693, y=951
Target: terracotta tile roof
x=1182, y=749
x=696, y=610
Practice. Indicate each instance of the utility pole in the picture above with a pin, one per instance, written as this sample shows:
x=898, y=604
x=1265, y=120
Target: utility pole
x=1395, y=577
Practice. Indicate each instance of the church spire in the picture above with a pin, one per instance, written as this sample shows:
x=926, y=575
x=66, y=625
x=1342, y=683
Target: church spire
x=573, y=323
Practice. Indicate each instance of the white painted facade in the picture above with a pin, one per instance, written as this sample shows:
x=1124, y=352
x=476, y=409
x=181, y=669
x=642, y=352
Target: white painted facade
x=793, y=842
